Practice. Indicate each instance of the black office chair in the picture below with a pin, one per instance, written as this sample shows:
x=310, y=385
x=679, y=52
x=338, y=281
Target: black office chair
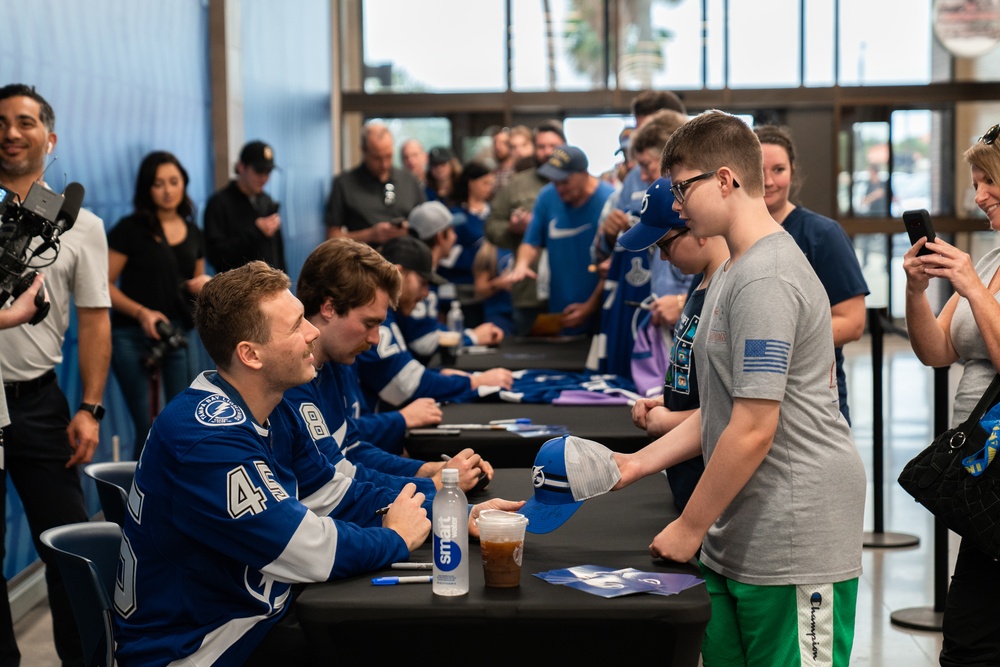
x=87, y=557
x=114, y=481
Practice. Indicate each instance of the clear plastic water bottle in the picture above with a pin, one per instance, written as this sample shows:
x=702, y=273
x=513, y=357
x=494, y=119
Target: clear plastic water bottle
x=456, y=322
x=451, y=537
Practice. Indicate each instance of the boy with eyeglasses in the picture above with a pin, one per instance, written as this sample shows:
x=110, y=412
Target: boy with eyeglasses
x=778, y=513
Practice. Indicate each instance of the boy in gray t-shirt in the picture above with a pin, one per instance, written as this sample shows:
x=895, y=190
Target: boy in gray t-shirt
x=778, y=513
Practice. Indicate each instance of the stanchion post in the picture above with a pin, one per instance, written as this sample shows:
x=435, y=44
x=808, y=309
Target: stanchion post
x=931, y=618
x=879, y=537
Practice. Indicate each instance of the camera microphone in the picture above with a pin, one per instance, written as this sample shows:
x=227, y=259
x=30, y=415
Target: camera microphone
x=72, y=201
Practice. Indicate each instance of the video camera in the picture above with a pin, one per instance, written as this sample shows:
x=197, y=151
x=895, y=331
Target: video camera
x=44, y=214
x=170, y=339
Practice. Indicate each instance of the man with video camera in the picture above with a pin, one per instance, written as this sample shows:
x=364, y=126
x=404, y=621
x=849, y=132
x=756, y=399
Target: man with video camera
x=47, y=440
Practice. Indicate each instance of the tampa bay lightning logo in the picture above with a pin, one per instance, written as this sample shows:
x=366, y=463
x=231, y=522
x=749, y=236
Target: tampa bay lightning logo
x=217, y=410
x=538, y=476
x=645, y=203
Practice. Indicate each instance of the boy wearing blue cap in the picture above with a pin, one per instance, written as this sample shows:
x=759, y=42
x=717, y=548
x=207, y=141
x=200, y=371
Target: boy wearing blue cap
x=660, y=225
x=778, y=513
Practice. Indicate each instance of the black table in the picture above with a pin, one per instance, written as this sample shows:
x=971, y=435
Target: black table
x=566, y=353
x=537, y=623
x=610, y=425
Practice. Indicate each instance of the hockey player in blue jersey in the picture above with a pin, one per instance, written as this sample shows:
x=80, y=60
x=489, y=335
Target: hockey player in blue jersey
x=232, y=503
x=346, y=288
x=432, y=223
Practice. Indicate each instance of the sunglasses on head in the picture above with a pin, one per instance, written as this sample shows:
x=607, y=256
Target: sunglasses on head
x=991, y=135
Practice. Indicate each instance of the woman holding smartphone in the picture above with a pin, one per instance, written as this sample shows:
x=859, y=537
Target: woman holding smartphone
x=156, y=266
x=967, y=328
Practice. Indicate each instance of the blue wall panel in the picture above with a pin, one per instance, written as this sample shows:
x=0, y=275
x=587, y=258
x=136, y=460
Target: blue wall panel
x=286, y=87
x=124, y=78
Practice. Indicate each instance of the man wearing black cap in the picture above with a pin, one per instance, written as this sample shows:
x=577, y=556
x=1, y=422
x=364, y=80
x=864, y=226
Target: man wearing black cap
x=241, y=221
x=564, y=222
x=370, y=202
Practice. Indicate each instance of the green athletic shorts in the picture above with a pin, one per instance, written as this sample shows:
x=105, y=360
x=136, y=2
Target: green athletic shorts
x=784, y=626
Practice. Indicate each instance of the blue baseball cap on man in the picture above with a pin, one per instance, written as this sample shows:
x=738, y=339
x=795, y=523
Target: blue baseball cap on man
x=656, y=217
x=563, y=163
x=567, y=471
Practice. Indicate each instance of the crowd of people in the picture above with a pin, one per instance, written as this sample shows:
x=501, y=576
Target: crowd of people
x=266, y=472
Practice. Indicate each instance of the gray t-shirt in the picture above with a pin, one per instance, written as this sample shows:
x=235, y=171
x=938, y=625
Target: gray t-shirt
x=968, y=343
x=766, y=334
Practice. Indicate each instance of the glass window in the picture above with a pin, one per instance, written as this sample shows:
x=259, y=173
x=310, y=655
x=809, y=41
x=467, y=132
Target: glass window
x=913, y=171
x=557, y=44
x=597, y=137
x=429, y=132
x=874, y=37
x=715, y=38
x=819, y=47
x=763, y=44
x=457, y=46
x=662, y=49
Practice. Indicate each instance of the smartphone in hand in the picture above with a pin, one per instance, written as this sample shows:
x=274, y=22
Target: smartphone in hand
x=918, y=225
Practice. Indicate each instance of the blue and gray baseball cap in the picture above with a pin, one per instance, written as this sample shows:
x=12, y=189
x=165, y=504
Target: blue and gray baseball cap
x=567, y=471
x=656, y=218
x=563, y=163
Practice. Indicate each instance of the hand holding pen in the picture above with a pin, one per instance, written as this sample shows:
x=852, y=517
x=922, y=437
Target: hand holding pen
x=471, y=466
x=407, y=516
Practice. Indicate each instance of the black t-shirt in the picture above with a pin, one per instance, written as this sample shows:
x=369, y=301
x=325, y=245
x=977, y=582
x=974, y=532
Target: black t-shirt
x=231, y=235
x=154, y=274
x=358, y=200
x=680, y=388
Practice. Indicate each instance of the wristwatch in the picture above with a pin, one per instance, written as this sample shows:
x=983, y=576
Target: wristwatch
x=94, y=409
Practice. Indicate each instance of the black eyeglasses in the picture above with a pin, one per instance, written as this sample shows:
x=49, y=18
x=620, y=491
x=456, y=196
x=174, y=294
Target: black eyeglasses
x=991, y=135
x=389, y=194
x=665, y=243
x=679, y=189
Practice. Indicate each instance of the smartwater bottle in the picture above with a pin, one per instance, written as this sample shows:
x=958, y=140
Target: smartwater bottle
x=451, y=537
x=456, y=322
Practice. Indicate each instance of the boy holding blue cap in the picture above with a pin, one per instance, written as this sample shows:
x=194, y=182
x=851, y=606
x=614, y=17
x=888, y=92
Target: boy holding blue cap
x=778, y=513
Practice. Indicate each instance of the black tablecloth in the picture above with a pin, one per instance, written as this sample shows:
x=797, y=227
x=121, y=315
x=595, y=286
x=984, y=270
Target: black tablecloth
x=560, y=354
x=537, y=623
x=610, y=425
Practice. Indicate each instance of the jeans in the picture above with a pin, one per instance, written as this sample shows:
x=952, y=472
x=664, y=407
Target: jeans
x=130, y=346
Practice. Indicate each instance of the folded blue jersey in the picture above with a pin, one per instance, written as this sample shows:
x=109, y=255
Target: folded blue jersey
x=545, y=386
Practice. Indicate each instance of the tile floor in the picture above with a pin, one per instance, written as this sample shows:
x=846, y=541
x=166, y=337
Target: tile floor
x=894, y=579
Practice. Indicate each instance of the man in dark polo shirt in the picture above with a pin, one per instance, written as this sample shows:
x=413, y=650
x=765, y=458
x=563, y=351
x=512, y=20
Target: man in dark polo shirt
x=241, y=221
x=370, y=202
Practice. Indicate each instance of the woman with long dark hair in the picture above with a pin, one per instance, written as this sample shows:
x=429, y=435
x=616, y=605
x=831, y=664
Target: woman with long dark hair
x=156, y=266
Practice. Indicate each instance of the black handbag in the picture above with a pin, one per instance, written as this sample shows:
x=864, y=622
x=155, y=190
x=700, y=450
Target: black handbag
x=968, y=505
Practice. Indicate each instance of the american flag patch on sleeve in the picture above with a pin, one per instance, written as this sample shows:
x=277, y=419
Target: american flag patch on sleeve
x=765, y=356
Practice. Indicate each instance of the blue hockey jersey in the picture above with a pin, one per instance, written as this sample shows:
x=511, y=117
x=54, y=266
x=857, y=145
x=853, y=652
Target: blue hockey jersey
x=224, y=517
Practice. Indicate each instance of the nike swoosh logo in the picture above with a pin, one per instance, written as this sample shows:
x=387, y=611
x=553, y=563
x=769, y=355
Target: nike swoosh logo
x=557, y=233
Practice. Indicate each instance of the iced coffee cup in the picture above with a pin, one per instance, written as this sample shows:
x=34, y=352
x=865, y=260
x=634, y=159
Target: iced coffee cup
x=501, y=541
x=448, y=344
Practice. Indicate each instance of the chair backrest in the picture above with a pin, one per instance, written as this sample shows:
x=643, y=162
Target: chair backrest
x=87, y=557
x=114, y=481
